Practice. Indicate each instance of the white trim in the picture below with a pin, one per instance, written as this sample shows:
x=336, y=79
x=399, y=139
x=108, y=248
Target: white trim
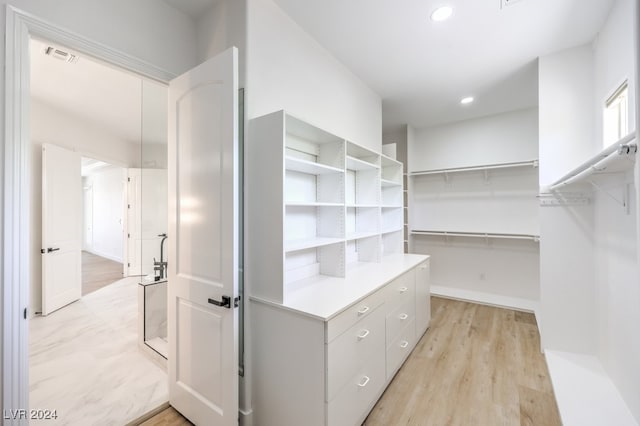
x=519, y=304
x=20, y=26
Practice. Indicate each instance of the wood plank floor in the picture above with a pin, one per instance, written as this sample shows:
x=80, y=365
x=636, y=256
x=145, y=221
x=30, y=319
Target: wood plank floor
x=98, y=272
x=476, y=365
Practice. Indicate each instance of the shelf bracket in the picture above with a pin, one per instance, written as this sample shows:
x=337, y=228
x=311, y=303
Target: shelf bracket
x=625, y=195
x=446, y=177
x=486, y=176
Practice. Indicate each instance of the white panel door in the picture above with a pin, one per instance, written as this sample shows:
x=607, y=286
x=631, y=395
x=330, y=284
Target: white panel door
x=203, y=242
x=62, y=220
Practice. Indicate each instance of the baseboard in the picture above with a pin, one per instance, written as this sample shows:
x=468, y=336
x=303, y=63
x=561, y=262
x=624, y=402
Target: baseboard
x=490, y=299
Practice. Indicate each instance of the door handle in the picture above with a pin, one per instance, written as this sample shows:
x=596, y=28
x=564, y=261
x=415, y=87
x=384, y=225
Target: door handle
x=225, y=302
x=51, y=249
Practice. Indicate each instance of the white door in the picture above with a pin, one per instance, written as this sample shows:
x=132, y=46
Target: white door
x=203, y=242
x=62, y=220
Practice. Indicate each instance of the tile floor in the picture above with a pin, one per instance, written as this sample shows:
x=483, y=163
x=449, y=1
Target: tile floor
x=85, y=362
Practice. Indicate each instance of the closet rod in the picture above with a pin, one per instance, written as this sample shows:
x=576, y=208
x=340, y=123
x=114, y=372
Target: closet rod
x=477, y=235
x=599, y=162
x=532, y=163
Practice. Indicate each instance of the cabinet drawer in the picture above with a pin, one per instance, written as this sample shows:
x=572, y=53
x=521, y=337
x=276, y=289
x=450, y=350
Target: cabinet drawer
x=352, y=404
x=400, y=290
x=349, y=352
x=398, y=319
x=401, y=347
x=345, y=320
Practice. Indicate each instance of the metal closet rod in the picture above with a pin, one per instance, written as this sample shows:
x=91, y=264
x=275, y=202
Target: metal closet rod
x=477, y=235
x=599, y=162
x=531, y=163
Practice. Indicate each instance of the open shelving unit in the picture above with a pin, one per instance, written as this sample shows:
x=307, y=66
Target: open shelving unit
x=328, y=204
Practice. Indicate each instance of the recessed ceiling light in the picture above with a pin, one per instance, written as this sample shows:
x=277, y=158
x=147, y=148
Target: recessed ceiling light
x=467, y=100
x=442, y=13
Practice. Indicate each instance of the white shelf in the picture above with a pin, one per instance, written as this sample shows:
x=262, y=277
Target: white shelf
x=362, y=206
x=309, y=167
x=392, y=206
x=618, y=157
x=360, y=235
x=532, y=163
x=535, y=238
x=389, y=183
x=295, y=245
x=390, y=230
x=357, y=164
x=311, y=204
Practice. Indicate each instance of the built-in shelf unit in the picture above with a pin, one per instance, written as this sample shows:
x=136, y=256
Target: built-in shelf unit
x=327, y=204
x=336, y=305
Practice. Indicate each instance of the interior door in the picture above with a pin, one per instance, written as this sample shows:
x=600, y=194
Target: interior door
x=62, y=220
x=203, y=242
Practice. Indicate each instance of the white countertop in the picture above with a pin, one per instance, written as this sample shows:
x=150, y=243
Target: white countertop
x=324, y=297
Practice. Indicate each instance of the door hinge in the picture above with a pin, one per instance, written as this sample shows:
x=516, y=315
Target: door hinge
x=128, y=179
x=128, y=206
x=128, y=265
x=24, y=314
x=128, y=235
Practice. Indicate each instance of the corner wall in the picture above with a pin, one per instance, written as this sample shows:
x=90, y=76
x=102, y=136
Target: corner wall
x=288, y=69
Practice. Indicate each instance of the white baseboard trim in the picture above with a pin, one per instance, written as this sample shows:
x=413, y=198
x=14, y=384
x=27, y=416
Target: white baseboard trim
x=490, y=299
x=105, y=255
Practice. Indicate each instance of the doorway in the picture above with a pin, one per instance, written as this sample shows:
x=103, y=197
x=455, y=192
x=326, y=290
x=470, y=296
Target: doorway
x=103, y=205
x=85, y=356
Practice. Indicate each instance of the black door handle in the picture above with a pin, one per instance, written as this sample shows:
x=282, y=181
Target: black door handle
x=226, y=302
x=50, y=249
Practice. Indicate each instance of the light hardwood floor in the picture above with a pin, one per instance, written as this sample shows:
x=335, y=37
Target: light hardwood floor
x=98, y=272
x=476, y=365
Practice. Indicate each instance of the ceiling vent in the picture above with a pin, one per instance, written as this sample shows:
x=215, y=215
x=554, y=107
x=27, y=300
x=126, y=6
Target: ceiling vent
x=61, y=55
x=505, y=3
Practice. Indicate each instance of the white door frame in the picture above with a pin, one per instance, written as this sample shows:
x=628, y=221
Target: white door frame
x=20, y=27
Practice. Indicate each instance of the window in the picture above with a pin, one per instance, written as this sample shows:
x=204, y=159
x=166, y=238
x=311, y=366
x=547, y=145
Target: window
x=616, y=115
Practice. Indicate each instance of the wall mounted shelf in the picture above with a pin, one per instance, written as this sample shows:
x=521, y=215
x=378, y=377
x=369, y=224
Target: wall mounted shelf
x=532, y=163
x=485, y=235
x=309, y=167
x=617, y=158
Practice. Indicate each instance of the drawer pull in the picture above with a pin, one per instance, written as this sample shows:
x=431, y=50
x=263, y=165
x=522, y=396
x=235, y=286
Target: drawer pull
x=423, y=266
x=364, y=381
x=402, y=289
x=403, y=317
x=404, y=344
x=362, y=335
x=363, y=311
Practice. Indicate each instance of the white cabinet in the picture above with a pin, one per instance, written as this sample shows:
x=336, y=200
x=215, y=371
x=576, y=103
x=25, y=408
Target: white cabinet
x=325, y=356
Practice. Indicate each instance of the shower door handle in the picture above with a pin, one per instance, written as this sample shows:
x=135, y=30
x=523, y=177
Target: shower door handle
x=226, y=302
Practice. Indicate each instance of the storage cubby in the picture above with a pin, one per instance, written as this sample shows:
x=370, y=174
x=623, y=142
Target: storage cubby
x=323, y=204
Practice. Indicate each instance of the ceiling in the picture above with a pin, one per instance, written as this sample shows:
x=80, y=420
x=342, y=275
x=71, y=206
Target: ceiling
x=106, y=97
x=422, y=68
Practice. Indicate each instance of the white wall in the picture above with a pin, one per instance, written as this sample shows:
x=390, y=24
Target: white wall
x=287, y=69
x=495, y=271
x=502, y=138
x=615, y=231
x=589, y=254
x=567, y=131
x=567, y=285
x=108, y=208
x=614, y=61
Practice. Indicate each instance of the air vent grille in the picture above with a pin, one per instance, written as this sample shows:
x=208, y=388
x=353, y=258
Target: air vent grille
x=61, y=55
